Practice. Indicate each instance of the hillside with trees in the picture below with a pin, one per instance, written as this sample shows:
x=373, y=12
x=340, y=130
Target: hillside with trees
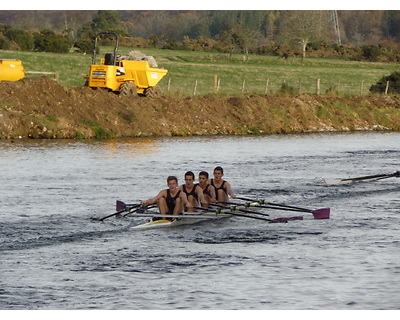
x=356, y=27
x=371, y=35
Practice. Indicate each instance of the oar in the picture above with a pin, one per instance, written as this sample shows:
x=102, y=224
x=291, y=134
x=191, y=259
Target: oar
x=111, y=215
x=234, y=208
x=125, y=208
x=142, y=208
x=121, y=207
x=374, y=177
x=252, y=205
x=323, y=213
x=277, y=220
x=394, y=174
x=364, y=178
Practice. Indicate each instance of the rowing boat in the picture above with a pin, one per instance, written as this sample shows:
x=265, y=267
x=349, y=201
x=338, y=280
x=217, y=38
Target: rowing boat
x=158, y=220
x=361, y=179
x=184, y=219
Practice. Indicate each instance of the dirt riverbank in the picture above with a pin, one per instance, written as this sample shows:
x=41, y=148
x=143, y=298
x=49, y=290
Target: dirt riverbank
x=41, y=108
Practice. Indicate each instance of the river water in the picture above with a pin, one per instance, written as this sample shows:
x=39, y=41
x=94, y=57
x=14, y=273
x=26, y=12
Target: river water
x=55, y=256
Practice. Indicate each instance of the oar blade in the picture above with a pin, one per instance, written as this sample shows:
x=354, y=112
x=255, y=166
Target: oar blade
x=296, y=218
x=323, y=213
x=284, y=220
x=120, y=205
x=332, y=182
x=279, y=220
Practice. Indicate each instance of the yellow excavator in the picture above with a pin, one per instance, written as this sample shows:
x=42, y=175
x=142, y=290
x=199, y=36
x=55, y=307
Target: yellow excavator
x=11, y=70
x=127, y=77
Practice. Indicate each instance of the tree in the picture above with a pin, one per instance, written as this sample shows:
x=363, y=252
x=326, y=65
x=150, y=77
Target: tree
x=104, y=20
x=393, y=23
x=394, y=83
x=48, y=41
x=239, y=36
x=84, y=46
x=303, y=27
x=364, y=26
x=72, y=21
x=271, y=24
x=23, y=39
x=371, y=52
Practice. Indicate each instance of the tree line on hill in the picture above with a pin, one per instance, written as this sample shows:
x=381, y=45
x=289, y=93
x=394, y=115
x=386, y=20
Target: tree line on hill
x=359, y=35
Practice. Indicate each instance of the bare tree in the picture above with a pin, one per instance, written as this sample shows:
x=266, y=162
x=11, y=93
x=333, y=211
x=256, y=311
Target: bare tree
x=303, y=27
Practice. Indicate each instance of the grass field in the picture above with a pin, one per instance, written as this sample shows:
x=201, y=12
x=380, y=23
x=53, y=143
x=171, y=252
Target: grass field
x=194, y=72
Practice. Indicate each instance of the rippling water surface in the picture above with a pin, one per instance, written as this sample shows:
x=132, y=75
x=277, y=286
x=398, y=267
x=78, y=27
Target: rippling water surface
x=54, y=256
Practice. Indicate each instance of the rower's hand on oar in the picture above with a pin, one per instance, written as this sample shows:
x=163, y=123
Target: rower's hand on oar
x=204, y=204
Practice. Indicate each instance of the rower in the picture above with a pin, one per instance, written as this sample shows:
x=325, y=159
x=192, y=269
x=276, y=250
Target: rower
x=208, y=190
x=223, y=188
x=193, y=192
x=170, y=201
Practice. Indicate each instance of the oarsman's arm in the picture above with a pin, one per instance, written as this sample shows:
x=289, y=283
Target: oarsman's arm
x=185, y=199
x=161, y=194
x=200, y=195
x=229, y=190
x=211, y=192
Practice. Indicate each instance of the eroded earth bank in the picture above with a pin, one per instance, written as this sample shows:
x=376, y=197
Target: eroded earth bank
x=42, y=108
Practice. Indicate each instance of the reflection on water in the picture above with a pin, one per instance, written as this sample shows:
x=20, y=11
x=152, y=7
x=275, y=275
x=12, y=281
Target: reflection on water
x=132, y=147
x=129, y=147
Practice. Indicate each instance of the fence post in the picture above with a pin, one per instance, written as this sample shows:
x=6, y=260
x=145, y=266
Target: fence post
x=169, y=84
x=387, y=87
x=266, y=86
x=216, y=83
x=299, y=85
x=195, y=88
x=244, y=82
x=362, y=87
x=318, y=86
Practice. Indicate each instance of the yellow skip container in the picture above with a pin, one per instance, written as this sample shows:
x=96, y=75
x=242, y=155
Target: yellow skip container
x=11, y=70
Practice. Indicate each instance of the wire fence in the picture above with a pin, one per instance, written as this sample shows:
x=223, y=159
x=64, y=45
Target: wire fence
x=269, y=85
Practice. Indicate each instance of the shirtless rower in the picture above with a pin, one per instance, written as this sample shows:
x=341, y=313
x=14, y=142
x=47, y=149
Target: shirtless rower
x=208, y=190
x=170, y=201
x=192, y=191
x=223, y=188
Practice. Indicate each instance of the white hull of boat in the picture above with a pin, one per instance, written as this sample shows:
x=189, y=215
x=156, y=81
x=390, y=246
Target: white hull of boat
x=177, y=222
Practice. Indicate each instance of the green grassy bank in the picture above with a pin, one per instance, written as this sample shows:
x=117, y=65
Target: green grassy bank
x=195, y=72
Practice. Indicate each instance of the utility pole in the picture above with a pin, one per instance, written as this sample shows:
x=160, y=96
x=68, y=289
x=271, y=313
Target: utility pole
x=335, y=21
